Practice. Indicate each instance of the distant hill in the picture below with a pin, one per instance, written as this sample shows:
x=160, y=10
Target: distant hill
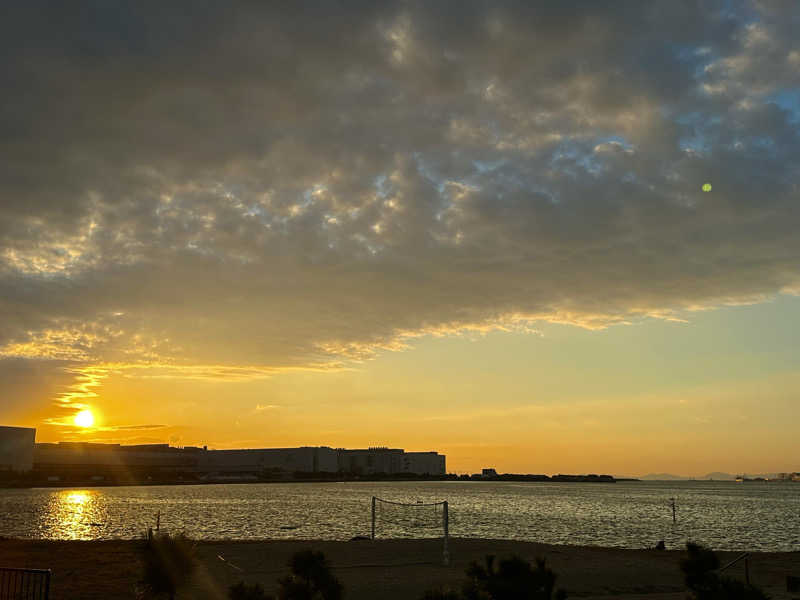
x=662, y=477
x=719, y=476
x=716, y=476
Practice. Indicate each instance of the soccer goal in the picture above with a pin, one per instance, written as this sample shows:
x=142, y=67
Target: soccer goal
x=405, y=516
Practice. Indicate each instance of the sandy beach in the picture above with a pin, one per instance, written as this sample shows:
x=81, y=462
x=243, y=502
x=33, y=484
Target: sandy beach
x=389, y=569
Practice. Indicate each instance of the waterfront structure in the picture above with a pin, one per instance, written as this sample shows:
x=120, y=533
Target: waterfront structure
x=143, y=462
x=16, y=448
x=392, y=461
x=305, y=459
x=424, y=463
x=367, y=461
x=82, y=460
x=159, y=461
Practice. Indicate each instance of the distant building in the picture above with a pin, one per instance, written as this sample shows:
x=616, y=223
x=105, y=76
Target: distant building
x=306, y=459
x=369, y=461
x=424, y=463
x=390, y=461
x=112, y=461
x=488, y=473
x=78, y=461
x=16, y=448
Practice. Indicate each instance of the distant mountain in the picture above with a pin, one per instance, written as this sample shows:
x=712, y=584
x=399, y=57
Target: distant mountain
x=718, y=476
x=662, y=477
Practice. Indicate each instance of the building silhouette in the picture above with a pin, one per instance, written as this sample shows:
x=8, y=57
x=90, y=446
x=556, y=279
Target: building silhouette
x=148, y=462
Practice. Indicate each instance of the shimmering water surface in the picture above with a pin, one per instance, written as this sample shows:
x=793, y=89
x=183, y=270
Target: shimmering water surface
x=724, y=515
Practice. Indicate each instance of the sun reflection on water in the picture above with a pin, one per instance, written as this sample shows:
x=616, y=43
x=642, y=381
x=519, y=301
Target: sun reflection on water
x=77, y=497
x=73, y=515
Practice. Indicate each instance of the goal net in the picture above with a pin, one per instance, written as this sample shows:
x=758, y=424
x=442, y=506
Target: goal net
x=411, y=520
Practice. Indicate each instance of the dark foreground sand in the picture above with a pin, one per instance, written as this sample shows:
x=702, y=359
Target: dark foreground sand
x=381, y=569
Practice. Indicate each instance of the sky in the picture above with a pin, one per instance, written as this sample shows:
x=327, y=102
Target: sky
x=477, y=228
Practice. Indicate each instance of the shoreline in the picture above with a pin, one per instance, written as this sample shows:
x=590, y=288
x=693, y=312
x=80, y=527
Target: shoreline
x=105, y=484
x=400, y=569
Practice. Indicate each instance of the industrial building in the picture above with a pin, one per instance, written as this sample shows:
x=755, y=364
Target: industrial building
x=16, y=448
x=424, y=463
x=392, y=461
x=304, y=460
x=81, y=460
x=154, y=462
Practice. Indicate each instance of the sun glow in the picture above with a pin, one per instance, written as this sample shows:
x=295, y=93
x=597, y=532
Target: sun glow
x=85, y=418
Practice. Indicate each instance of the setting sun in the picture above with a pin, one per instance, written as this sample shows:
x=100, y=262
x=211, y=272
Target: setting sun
x=85, y=418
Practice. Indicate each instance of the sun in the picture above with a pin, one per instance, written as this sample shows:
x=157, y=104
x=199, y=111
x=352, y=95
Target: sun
x=85, y=418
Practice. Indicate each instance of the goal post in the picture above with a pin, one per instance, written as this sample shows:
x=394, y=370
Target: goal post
x=436, y=522
x=446, y=524
x=374, y=499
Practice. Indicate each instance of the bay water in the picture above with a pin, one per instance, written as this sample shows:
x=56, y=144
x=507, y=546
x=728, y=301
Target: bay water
x=723, y=515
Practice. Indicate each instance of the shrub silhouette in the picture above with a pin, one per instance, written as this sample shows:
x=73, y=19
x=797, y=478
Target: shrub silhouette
x=310, y=579
x=441, y=595
x=698, y=569
x=168, y=564
x=513, y=579
x=701, y=577
x=242, y=591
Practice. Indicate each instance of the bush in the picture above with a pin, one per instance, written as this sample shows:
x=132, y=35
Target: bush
x=701, y=577
x=242, y=591
x=698, y=569
x=310, y=579
x=440, y=595
x=514, y=579
x=168, y=564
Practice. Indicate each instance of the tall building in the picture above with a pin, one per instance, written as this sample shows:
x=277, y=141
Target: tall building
x=16, y=448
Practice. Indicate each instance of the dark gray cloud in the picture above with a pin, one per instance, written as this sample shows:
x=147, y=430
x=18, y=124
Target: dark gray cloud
x=209, y=184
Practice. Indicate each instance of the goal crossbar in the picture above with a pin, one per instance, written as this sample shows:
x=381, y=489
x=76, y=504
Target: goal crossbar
x=409, y=503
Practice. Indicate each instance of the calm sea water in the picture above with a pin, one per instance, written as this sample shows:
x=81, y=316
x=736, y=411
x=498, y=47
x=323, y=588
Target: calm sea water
x=723, y=515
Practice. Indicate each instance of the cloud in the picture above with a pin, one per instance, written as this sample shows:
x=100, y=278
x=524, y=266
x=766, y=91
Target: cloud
x=225, y=193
